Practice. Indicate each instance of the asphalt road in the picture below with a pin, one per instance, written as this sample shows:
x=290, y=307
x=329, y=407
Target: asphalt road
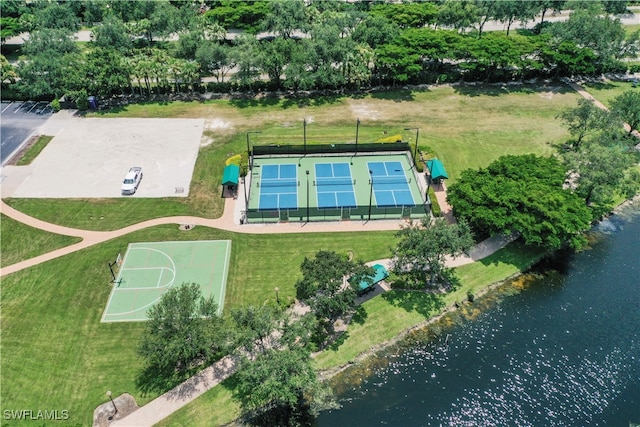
x=18, y=121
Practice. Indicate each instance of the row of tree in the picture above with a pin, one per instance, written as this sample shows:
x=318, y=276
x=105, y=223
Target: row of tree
x=321, y=45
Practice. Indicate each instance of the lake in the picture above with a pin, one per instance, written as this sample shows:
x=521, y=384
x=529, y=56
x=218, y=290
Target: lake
x=556, y=348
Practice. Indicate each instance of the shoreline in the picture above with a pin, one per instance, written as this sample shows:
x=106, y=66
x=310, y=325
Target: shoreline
x=328, y=374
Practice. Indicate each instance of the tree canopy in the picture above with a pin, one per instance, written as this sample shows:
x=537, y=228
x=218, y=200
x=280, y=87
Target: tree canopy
x=524, y=194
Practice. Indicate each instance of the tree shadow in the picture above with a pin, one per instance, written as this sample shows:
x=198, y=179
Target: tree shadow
x=515, y=253
x=425, y=303
x=154, y=380
x=474, y=89
x=399, y=95
x=360, y=315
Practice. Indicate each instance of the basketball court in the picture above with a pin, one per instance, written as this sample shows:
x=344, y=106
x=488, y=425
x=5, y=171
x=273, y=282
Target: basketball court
x=148, y=270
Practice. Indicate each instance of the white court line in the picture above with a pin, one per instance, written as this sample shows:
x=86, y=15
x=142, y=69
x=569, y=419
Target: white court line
x=223, y=292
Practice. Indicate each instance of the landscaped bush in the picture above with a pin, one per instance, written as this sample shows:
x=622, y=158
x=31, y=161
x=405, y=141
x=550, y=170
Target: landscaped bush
x=435, y=206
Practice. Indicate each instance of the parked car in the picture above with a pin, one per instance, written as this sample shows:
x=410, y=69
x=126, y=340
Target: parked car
x=132, y=180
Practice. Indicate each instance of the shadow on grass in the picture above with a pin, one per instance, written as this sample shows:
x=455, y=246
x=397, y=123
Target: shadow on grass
x=400, y=95
x=516, y=254
x=360, y=316
x=481, y=89
x=153, y=380
x=274, y=100
x=425, y=303
x=335, y=345
x=601, y=85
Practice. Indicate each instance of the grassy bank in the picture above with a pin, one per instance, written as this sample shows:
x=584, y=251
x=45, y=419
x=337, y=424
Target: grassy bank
x=377, y=321
x=466, y=126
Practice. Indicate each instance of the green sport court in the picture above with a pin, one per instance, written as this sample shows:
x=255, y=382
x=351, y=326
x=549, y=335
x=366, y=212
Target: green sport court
x=150, y=269
x=321, y=187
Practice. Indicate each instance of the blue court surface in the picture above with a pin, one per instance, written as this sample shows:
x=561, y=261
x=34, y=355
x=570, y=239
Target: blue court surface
x=390, y=184
x=279, y=187
x=334, y=185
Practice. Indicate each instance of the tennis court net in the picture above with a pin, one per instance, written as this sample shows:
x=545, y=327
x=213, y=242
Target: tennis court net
x=278, y=183
x=333, y=182
x=390, y=180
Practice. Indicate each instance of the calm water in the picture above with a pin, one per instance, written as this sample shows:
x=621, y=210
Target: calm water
x=564, y=351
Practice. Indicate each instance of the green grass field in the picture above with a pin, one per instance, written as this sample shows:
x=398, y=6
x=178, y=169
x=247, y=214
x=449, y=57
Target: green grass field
x=605, y=92
x=20, y=242
x=466, y=126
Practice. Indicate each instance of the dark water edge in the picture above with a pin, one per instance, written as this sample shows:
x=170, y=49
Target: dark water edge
x=559, y=346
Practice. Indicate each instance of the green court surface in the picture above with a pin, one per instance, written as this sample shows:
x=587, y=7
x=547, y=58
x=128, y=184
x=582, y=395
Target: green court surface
x=320, y=187
x=150, y=269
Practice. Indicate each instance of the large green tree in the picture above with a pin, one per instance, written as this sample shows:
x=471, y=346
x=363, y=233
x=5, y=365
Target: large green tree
x=184, y=331
x=524, y=194
x=324, y=289
x=626, y=107
x=419, y=256
x=583, y=120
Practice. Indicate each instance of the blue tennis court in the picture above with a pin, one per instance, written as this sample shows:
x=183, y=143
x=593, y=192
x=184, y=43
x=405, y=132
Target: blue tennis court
x=390, y=184
x=278, y=187
x=334, y=185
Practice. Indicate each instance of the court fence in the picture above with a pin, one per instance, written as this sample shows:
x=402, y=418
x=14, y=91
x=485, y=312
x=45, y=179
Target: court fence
x=368, y=147
x=358, y=213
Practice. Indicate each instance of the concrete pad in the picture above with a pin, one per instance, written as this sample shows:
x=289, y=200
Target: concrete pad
x=89, y=157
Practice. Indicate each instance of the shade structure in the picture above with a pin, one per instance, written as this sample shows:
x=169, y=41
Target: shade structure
x=230, y=175
x=380, y=274
x=437, y=169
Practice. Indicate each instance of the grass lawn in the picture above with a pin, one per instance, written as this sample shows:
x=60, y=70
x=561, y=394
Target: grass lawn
x=605, y=92
x=20, y=242
x=57, y=354
x=34, y=150
x=466, y=126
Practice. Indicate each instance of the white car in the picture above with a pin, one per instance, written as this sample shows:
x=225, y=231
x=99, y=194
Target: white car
x=132, y=180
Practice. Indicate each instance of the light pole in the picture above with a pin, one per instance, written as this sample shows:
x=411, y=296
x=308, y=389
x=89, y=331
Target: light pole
x=249, y=150
x=370, y=193
x=307, y=195
x=415, y=150
x=357, y=128
x=304, y=134
x=115, y=408
x=277, y=296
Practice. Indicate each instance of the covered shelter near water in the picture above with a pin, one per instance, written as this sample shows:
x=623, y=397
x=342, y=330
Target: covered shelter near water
x=230, y=178
x=370, y=282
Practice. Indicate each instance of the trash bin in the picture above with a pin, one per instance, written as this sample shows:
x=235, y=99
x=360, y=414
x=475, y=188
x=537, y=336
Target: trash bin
x=93, y=103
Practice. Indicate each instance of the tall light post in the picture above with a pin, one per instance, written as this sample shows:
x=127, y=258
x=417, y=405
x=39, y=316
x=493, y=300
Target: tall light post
x=115, y=408
x=277, y=295
x=370, y=193
x=415, y=150
x=307, y=195
x=304, y=134
x=249, y=149
x=357, y=128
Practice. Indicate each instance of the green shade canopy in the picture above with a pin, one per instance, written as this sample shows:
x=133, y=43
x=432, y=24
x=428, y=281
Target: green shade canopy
x=437, y=169
x=380, y=274
x=230, y=175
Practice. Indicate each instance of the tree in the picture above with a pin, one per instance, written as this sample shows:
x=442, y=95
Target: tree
x=280, y=387
x=285, y=17
x=375, y=30
x=9, y=27
x=419, y=256
x=458, y=14
x=8, y=74
x=626, y=107
x=58, y=16
x=183, y=331
x=583, y=120
x=246, y=55
x=524, y=194
x=510, y=11
x=255, y=325
x=324, y=289
x=112, y=34
x=214, y=59
x=598, y=171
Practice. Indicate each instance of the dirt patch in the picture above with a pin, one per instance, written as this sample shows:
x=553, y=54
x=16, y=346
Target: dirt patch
x=20, y=154
x=108, y=412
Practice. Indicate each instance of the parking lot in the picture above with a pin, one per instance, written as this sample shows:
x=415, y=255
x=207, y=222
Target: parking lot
x=89, y=158
x=18, y=121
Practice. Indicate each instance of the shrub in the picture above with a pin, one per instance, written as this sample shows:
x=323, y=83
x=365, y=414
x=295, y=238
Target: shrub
x=435, y=206
x=55, y=105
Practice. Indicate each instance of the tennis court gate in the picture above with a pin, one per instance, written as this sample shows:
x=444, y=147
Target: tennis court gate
x=360, y=213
